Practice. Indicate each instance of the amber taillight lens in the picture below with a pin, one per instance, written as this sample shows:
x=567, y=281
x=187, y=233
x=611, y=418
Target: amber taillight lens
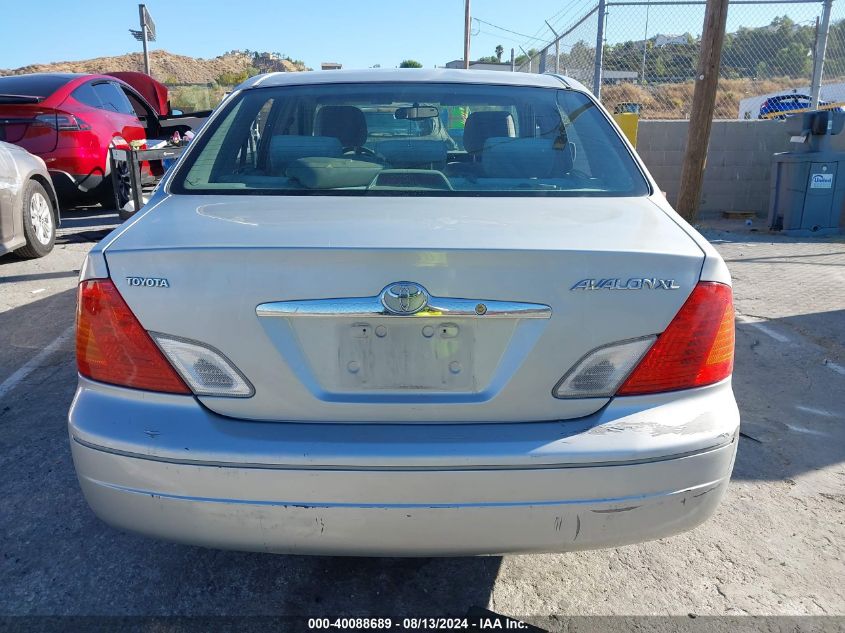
x=113, y=347
x=696, y=349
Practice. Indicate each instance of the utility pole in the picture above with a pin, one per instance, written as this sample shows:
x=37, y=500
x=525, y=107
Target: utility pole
x=819, y=53
x=513, y=62
x=467, y=22
x=703, y=105
x=602, y=11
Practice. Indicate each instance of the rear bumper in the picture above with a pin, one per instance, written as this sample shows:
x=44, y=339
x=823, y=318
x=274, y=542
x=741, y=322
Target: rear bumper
x=384, y=490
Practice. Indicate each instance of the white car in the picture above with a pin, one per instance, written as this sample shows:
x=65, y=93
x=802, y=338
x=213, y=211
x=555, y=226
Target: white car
x=29, y=209
x=311, y=341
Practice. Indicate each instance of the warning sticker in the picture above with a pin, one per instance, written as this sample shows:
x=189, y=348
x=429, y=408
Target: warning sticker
x=821, y=181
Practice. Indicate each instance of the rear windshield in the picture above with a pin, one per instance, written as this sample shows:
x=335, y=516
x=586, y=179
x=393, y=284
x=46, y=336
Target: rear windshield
x=35, y=86
x=411, y=139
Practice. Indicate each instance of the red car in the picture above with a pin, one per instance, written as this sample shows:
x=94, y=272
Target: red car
x=71, y=120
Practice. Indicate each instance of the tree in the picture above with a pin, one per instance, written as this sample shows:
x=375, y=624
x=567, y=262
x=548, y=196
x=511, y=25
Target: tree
x=410, y=63
x=499, y=52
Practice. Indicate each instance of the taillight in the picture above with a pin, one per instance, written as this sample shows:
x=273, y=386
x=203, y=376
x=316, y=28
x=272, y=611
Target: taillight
x=62, y=122
x=696, y=349
x=113, y=347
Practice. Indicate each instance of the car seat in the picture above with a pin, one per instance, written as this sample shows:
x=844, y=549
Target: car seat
x=479, y=127
x=345, y=123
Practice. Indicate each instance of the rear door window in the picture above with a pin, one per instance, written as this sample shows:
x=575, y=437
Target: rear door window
x=113, y=98
x=86, y=95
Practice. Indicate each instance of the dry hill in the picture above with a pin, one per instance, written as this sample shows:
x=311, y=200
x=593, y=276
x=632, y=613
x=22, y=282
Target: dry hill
x=175, y=69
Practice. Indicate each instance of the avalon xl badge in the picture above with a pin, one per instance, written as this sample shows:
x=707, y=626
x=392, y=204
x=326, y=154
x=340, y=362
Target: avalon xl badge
x=404, y=297
x=635, y=283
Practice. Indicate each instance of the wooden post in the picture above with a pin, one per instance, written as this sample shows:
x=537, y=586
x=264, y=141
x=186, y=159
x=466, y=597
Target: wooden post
x=703, y=104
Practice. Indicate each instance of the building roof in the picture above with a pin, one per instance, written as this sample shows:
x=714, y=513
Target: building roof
x=446, y=75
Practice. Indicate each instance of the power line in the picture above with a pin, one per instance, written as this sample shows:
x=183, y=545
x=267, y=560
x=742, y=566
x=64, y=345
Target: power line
x=501, y=28
x=497, y=36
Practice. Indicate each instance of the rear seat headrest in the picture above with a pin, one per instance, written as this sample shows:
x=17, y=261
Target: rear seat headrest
x=346, y=123
x=525, y=158
x=285, y=149
x=483, y=125
x=413, y=153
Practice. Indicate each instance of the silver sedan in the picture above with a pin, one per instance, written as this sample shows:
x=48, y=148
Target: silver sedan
x=315, y=340
x=29, y=210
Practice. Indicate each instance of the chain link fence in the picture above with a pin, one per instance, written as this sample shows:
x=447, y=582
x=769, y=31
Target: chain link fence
x=651, y=50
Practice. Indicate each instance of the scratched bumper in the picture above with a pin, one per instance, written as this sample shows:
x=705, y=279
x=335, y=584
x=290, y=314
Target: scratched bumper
x=401, y=490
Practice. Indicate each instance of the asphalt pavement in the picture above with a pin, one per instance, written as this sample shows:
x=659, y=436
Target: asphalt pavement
x=775, y=546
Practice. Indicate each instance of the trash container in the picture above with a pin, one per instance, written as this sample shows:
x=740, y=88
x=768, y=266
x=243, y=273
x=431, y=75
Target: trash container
x=808, y=184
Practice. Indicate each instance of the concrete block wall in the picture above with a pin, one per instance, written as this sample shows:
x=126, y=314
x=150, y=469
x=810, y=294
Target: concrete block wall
x=738, y=170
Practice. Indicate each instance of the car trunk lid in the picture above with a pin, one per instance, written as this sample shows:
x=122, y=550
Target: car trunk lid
x=26, y=123
x=518, y=290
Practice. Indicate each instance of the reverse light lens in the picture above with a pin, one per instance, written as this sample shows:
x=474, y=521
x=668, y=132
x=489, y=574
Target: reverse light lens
x=113, y=347
x=696, y=349
x=599, y=373
x=206, y=370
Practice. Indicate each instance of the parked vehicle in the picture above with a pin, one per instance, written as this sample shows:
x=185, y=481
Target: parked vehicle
x=316, y=340
x=782, y=105
x=29, y=209
x=71, y=120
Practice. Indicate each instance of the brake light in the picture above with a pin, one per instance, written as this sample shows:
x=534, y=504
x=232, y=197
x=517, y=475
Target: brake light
x=62, y=122
x=696, y=349
x=113, y=347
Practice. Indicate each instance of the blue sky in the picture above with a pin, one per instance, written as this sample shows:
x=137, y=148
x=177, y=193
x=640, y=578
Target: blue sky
x=357, y=33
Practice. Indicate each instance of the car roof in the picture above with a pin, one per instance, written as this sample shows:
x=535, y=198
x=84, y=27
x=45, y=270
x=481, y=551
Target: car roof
x=41, y=85
x=66, y=76
x=378, y=75
x=65, y=83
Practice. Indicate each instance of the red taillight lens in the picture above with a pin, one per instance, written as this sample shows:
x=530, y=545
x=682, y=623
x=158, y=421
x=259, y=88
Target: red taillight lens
x=113, y=347
x=696, y=349
x=62, y=122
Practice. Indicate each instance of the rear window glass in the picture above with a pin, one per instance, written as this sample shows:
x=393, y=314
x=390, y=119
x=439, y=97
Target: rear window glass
x=411, y=139
x=32, y=85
